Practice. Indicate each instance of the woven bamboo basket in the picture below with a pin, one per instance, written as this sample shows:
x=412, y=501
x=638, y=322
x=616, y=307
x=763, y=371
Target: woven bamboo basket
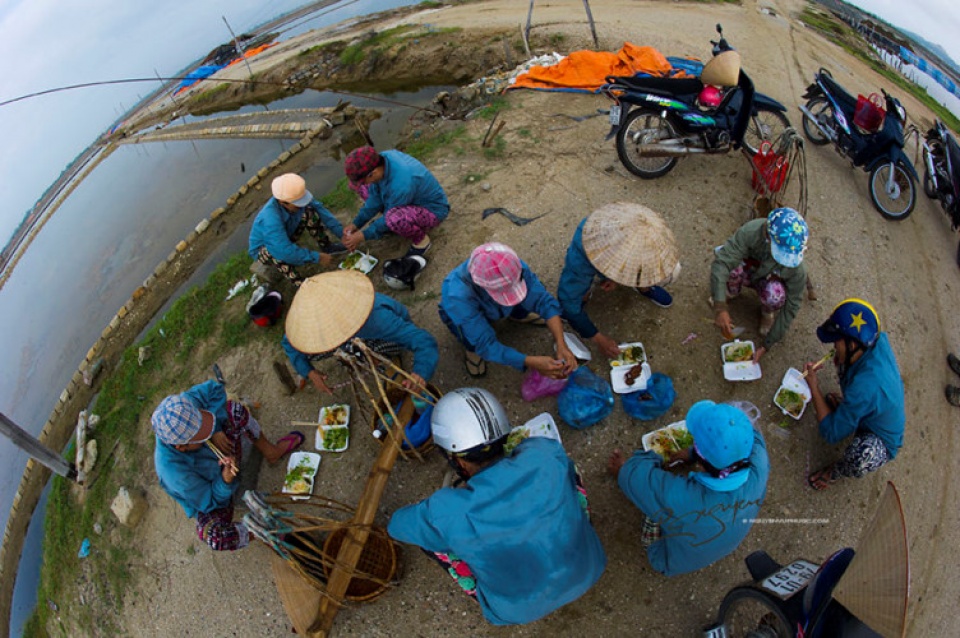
x=395, y=395
x=380, y=559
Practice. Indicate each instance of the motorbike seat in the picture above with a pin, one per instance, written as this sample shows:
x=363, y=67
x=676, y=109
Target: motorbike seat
x=839, y=93
x=660, y=86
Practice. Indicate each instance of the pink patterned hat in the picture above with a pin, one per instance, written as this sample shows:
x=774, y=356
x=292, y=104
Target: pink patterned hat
x=497, y=269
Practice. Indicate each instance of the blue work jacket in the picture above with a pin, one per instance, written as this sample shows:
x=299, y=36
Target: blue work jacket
x=700, y=525
x=194, y=479
x=575, y=281
x=520, y=527
x=274, y=227
x=389, y=321
x=472, y=310
x=405, y=182
x=872, y=400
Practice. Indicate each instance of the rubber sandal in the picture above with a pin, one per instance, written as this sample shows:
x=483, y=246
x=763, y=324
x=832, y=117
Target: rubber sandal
x=476, y=367
x=821, y=479
x=293, y=439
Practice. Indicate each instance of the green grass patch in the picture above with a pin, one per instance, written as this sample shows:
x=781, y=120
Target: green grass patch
x=496, y=105
x=473, y=178
x=375, y=43
x=341, y=198
x=430, y=4
x=213, y=93
x=424, y=147
x=197, y=327
x=497, y=149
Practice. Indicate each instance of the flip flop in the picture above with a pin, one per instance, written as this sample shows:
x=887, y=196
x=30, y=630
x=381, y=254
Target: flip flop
x=293, y=439
x=821, y=479
x=476, y=367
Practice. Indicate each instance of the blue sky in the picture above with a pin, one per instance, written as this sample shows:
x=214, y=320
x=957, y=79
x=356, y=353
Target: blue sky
x=49, y=43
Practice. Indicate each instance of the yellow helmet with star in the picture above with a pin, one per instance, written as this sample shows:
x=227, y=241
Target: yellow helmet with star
x=853, y=319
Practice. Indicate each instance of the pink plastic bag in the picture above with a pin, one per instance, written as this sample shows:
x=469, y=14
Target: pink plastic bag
x=535, y=386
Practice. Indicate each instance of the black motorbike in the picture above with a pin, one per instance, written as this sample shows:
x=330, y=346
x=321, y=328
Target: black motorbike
x=829, y=115
x=941, y=174
x=658, y=120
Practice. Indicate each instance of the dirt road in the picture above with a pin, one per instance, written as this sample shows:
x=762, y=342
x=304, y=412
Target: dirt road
x=563, y=168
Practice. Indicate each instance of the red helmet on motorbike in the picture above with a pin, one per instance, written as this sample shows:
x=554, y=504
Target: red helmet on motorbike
x=709, y=97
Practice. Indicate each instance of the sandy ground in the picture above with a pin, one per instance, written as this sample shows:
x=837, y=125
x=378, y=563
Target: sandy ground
x=565, y=169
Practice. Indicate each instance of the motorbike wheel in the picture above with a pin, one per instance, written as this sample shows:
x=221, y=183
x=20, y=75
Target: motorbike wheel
x=645, y=126
x=747, y=612
x=896, y=203
x=928, y=188
x=766, y=125
x=823, y=111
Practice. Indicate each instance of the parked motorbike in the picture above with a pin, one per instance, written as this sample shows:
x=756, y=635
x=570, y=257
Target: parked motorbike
x=829, y=116
x=941, y=174
x=658, y=120
x=788, y=601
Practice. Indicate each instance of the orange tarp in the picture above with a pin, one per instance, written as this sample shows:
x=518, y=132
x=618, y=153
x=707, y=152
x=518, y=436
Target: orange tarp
x=587, y=70
x=252, y=52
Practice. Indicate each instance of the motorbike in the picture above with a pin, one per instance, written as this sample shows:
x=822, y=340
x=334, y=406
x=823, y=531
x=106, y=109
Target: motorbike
x=941, y=173
x=658, y=120
x=788, y=601
x=829, y=116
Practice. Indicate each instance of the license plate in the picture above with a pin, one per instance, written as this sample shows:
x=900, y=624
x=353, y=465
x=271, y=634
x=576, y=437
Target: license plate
x=790, y=579
x=614, y=115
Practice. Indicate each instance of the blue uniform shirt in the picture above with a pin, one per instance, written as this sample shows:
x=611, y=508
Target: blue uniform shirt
x=274, y=227
x=390, y=321
x=194, y=479
x=405, y=182
x=575, y=281
x=872, y=399
x=472, y=311
x=519, y=525
x=700, y=526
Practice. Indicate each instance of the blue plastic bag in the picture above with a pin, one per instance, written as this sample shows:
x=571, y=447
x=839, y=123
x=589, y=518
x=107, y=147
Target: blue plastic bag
x=653, y=402
x=585, y=400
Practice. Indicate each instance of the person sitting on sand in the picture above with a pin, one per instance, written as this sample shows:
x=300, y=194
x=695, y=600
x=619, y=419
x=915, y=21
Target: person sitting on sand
x=622, y=243
x=517, y=535
x=871, y=408
x=200, y=479
x=695, y=520
x=332, y=308
x=399, y=187
x=281, y=222
x=766, y=255
x=495, y=284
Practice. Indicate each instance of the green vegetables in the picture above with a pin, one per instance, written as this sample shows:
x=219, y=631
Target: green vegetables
x=671, y=440
x=792, y=402
x=351, y=260
x=737, y=352
x=299, y=479
x=335, y=438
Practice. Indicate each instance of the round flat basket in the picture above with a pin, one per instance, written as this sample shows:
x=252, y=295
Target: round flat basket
x=378, y=559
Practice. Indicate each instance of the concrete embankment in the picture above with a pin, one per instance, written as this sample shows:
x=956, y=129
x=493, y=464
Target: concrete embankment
x=337, y=130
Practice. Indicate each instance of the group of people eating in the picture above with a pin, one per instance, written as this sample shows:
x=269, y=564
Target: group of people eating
x=514, y=530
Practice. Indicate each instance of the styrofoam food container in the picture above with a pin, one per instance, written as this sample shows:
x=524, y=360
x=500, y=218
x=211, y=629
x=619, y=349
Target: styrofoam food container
x=540, y=425
x=325, y=428
x=793, y=380
x=579, y=350
x=739, y=370
x=618, y=363
x=618, y=379
x=647, y=439
x=295, y=458
x=367, y=262
x=327, y=408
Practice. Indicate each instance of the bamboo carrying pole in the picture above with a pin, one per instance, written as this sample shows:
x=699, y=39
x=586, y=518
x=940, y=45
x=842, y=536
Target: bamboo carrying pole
x=356, y=536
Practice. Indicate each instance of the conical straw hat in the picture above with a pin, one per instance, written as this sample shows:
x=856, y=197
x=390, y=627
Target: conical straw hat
x=875, y=586
x=631, y=245
x=722, y=70
x=328, y=309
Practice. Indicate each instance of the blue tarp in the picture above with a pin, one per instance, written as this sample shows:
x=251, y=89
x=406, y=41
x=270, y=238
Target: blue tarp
x=198, y=74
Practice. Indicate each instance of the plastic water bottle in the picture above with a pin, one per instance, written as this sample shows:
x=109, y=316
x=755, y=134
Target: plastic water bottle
x=752, y=411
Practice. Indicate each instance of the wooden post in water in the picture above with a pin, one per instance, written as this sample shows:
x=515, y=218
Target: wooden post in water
x=40, y=452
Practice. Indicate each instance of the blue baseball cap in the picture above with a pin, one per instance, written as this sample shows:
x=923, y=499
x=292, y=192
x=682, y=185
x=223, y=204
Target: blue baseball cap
x=722, y=435
x=788, y=236
x=177, y=421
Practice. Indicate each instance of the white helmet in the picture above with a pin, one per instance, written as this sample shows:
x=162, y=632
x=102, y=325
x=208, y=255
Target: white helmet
x=468, y=418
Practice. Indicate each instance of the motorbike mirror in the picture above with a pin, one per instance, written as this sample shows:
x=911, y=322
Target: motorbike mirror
x=719, y=29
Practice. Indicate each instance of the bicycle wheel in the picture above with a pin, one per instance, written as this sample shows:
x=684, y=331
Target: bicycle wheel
x=894, y=198
x=747, y=612
x=645, y=126
x=765, y=125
